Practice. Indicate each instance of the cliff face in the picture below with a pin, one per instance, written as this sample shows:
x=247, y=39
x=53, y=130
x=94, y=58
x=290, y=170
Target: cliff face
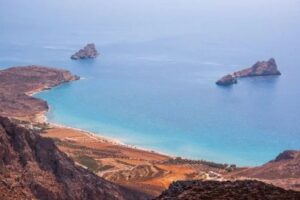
x=261, y=68
x=89, y=51
x=17, y=83
x=228, y=190
x=32, y=167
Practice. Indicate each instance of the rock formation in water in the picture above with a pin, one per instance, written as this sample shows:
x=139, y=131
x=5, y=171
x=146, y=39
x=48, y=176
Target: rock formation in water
x=32, y=167
x=261, y=68
x=227, y=80
x=17, y=83
x=227, y=190
x=89, y=51
x=284, y=171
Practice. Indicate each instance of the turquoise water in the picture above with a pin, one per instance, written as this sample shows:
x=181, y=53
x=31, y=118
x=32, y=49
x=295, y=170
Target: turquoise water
x=153, y=85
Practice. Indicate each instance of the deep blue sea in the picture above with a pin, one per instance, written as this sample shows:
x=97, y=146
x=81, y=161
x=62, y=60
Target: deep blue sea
x=153, y=85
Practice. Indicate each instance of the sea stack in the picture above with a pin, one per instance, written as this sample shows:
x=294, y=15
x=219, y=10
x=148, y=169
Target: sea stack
x=89, y=51
x=227, y=80
x=261, y=68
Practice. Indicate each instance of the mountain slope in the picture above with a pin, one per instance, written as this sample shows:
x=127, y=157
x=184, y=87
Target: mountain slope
x=32, y=167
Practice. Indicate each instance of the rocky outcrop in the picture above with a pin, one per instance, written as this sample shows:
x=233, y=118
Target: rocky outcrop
x=227, y=190
x=261, y=68
x=89, y=51
x=32, y=167
x=227, y=80
x=18, y=83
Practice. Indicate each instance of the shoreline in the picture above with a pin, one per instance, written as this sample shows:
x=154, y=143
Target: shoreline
x=42, y=118
x=101, y=138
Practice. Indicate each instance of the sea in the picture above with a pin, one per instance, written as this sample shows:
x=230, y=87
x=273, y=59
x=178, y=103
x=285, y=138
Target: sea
x=153, y=85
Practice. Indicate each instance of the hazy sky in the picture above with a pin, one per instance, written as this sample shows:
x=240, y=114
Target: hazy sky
x=155, y=18
x=95, y=11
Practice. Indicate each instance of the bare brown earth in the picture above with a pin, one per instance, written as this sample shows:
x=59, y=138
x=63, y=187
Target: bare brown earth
x=146, y=171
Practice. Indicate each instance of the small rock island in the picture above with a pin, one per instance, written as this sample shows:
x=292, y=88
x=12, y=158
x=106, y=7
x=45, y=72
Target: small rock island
x=89, y=51
x=261, y=68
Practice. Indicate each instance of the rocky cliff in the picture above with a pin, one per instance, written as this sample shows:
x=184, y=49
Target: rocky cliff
x=18, y=83
x=32, y=167
x=235, y=190
x=89, y=51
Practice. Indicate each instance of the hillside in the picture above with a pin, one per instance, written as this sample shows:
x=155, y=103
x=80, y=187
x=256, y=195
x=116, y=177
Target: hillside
x=283, y=171
x=32, y=167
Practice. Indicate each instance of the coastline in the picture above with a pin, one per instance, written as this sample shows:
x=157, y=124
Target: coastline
x=100, y=138
x=127, y=165
x=42, y=118
x=135, y=167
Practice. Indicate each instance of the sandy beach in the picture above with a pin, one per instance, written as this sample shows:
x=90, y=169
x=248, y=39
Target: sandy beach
x=126, y=165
